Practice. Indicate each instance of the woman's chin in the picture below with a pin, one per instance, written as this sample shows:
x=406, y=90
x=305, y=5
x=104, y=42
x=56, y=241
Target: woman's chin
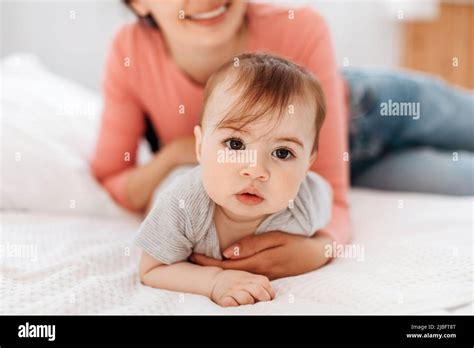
x=211, y=39
x=210, y=36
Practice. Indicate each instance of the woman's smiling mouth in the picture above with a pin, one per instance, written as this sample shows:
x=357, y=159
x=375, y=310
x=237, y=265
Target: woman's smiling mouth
x=210, y=17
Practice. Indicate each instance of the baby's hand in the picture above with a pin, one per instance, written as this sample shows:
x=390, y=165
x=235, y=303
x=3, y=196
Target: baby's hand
x=234, y=288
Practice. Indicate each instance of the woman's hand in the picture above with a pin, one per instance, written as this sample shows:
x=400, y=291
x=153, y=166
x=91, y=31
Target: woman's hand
x=272, y=254
x=234, y=288
x=182, y=150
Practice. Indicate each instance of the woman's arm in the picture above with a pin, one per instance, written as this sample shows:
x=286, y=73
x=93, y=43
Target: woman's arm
x=122, y=123
x=121, y=129
x=333, y=154
x=273, y=254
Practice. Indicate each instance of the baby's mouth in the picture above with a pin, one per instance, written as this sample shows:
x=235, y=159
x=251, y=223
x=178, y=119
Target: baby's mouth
x=251, y=191
x=249, y=196
x=249, y=199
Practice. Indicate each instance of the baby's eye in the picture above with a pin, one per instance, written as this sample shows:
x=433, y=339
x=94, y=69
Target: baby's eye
x=234, y=144
x=283, y=154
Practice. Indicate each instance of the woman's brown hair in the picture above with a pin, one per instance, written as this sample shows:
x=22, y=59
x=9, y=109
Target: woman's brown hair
x=147, y=20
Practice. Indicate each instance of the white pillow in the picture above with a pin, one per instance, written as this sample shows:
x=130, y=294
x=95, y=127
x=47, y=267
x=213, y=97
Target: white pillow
x=49, y=128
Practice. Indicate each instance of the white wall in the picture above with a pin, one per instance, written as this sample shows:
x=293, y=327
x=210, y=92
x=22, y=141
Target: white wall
x=74, y=44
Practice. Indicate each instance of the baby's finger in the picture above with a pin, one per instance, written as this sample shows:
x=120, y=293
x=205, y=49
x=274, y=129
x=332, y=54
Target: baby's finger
x=258, y=292
x=243, y=297
x=228, y=301
x=263, y=281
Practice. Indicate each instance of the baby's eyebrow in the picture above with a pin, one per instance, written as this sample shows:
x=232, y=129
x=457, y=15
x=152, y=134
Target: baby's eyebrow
x=292, y=140
x=236, y=129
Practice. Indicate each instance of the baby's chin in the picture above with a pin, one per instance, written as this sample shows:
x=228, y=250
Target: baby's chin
x=244, y=213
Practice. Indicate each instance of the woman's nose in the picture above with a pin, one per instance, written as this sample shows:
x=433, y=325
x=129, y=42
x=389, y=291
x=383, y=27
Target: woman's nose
x=255, y=172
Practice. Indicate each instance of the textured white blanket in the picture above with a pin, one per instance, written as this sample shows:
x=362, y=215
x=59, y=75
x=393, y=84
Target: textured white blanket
x=414, y=251
x=414, y=256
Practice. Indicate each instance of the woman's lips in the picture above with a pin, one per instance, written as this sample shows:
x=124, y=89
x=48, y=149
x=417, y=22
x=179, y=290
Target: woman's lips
x=249, y=199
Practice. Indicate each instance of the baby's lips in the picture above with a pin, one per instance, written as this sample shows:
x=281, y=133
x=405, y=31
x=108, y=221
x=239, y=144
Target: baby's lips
x=251, y=190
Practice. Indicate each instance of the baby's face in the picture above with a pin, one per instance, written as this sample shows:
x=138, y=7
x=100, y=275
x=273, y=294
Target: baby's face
x=266, y=159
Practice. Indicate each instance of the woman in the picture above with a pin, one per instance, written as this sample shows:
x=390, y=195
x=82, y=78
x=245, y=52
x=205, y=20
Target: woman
x=155, y=75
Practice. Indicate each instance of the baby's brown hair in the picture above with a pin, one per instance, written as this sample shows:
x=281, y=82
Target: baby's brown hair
x=266, y=82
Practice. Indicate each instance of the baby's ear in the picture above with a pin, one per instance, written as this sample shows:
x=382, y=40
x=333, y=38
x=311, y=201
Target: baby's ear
x=198, y=138
x=312, y=159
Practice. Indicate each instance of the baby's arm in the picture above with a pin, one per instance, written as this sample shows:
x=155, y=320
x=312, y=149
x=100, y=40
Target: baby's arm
x=225, y=287
x=181, y=276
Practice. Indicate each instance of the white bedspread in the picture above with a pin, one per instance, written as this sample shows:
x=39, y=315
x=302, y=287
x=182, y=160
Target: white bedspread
x=417, y=259
x=65, y=246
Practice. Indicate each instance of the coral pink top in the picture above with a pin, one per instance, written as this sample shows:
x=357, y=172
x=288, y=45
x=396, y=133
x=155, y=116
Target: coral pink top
x=141, y=78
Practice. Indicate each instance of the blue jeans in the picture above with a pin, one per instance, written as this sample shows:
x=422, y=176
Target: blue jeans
x=410, y=132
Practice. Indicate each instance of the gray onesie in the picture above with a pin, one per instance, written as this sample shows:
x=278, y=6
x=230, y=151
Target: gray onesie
x=181, y=220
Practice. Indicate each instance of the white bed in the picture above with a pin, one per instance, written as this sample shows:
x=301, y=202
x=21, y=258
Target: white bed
x=65, y=246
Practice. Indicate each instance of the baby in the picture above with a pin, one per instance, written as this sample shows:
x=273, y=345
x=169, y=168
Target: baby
x=255, y=143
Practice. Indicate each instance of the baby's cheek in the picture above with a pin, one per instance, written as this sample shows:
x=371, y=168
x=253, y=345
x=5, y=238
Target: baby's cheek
x=209, y=153
x=290, y=184
x=284, y=195
x=212, y=183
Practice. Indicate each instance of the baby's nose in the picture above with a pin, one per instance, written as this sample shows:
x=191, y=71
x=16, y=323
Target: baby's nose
x=255, y=172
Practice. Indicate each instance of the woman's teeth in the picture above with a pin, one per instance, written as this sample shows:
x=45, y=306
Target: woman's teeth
x=209, y=15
